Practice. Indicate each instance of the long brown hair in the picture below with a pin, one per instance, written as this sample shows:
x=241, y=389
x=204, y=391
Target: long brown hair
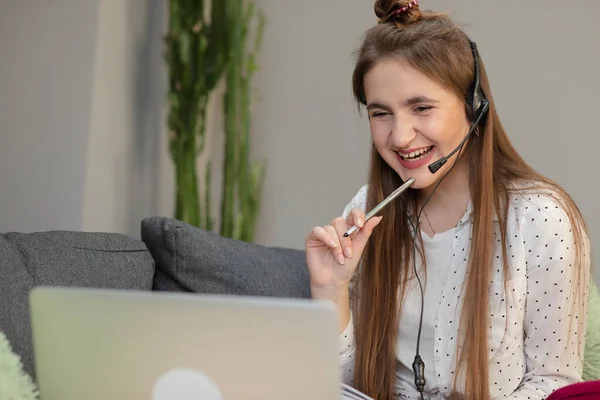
x=433, y=44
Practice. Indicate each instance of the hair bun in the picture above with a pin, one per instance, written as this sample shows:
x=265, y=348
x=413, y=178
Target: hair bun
x=400, y=12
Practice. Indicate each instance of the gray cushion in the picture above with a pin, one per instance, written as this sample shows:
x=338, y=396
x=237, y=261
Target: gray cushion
x=195, y=260
x=76, y=259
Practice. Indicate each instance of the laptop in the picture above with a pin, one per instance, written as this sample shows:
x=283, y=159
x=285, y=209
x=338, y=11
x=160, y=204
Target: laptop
x=97, y=344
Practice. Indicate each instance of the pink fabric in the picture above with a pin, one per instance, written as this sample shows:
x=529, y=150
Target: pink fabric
x=589, y=390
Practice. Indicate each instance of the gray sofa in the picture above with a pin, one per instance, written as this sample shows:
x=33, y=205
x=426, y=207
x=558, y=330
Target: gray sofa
x=171, y=256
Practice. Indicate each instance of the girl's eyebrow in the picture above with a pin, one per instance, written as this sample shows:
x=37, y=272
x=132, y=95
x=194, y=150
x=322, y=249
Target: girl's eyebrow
x=408, y=102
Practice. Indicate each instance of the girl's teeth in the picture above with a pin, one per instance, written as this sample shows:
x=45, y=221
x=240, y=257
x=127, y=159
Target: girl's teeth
x=416, y=155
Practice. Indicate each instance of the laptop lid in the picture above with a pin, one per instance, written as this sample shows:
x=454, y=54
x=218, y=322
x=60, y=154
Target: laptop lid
x=112, y=344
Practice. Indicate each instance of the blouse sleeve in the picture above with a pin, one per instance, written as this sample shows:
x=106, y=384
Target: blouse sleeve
x=347, y=342
x=358, y=201
x=555, y=309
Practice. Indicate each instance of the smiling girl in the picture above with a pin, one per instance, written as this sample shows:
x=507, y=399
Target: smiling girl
x=473, y=284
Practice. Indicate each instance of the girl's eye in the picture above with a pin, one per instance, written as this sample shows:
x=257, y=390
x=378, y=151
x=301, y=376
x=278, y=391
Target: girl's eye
x=423, y=109
x=380, y=114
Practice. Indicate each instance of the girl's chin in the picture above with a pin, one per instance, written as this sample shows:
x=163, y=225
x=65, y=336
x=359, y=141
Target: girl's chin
x=423, y=177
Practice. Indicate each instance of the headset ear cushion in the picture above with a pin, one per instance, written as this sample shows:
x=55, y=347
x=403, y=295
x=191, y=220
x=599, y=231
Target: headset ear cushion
x=479, y=113
x=473, y=100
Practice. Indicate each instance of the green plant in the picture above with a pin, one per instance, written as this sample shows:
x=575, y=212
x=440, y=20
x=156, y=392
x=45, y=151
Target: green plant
x=201, y=50
x=197, y=56
x=242, y=178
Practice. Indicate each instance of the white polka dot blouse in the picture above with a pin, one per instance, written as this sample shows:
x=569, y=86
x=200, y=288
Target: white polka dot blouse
x=533, y=335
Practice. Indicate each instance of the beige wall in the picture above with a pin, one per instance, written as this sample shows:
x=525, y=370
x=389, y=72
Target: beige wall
x=128, y=170
x=46, y=61
x=92, y=93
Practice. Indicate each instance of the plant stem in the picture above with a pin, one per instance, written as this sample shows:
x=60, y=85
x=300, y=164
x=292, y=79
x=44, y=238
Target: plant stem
x=233, y=72
x=187, y=198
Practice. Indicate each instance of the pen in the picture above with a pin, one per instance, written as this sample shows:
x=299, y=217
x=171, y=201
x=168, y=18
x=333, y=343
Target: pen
x=384, y=203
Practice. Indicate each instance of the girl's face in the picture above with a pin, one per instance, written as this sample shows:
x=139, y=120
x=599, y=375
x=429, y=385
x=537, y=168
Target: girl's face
x=414, y=120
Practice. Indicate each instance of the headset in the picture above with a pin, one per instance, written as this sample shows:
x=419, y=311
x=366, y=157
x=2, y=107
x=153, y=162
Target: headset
x=477, y=105
x=477, y=108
